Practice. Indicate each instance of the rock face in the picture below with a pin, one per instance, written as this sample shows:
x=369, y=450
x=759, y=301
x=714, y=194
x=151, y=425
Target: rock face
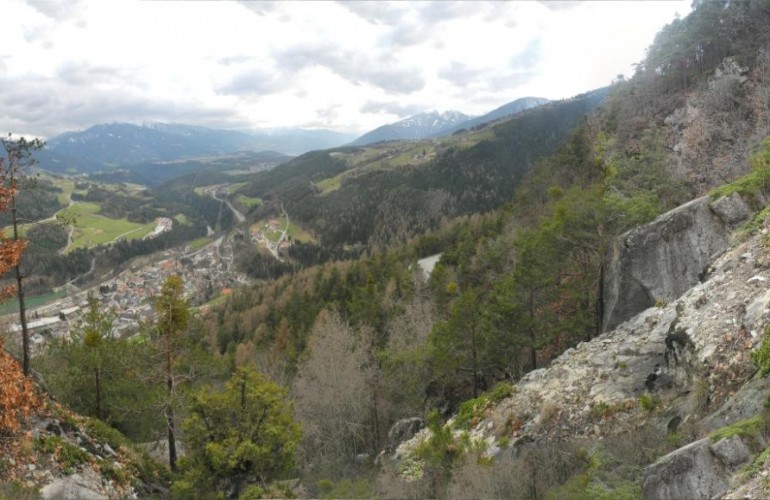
x=404, y=429
x=698, y=470
x=661, y=260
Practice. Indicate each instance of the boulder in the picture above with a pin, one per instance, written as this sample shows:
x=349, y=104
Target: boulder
x=748, y=401
x=76, y=486
x=659, y=261
x=699, y=470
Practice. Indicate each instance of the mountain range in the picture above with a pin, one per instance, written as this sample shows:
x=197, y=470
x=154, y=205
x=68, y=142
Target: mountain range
x=415, y=127
x=119, y=145
x=113, y=145
x=437, y=124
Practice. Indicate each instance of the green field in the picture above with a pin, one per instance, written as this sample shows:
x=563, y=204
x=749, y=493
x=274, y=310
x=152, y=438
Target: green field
x=330, y=184
x=11, y=305
x=299, y=234
x=247, y=201
x=182, y=219
x=199, y=243
x=91, y=229
x=296, y=232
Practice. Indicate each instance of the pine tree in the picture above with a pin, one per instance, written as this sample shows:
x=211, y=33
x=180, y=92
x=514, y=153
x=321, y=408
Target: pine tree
x=171, y=323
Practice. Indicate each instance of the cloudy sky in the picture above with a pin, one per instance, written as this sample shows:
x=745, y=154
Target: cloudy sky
x=347, y=66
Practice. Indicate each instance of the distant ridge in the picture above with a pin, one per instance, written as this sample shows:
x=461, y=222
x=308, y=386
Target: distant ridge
x=122, y=144
x=504, y=111
x=436, y=124
x=415, y=127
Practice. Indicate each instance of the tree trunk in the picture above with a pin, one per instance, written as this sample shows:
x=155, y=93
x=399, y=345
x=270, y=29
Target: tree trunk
x=171, y=438
x=98, y=384
x=20, y=294
x=600, y=299
x=474, y=363
x=532, y=336
x=170, y=408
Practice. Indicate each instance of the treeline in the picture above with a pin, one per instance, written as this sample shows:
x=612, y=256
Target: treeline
x=37, y=199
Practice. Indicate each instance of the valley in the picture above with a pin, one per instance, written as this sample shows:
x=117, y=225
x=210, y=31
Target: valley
x=557, y=298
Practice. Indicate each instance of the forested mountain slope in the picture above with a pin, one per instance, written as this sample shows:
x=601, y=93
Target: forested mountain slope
x=385, y=201
x=514, y=288
x=501, y=352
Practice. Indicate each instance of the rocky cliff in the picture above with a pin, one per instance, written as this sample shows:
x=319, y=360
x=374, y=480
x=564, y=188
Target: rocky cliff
x=661, y=260
x=677, y=371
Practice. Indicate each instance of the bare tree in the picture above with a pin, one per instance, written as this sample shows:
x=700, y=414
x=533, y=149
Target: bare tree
x=332, y=392
x=18, y=158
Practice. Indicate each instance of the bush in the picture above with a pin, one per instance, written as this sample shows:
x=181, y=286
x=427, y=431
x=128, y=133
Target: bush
x=648, y=402
x=471, y=410
x=761, y=356
x=66, y=453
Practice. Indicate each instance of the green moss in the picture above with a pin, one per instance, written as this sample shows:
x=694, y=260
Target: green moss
x=756, y=465
x=500, y=392
x=113, y=472
x=346, y=488
x=17, y=491
x=745, y=428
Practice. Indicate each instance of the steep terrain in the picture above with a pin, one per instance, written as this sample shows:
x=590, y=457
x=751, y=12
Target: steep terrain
x=674, y=373
x=50, y=452
x=381, y=196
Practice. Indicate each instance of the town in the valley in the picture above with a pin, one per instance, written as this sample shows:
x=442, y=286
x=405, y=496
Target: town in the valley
x=207, y=273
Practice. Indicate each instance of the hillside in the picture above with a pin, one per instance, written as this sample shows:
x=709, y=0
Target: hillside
x=50, y=452
x=677, y=373
x=382, y=195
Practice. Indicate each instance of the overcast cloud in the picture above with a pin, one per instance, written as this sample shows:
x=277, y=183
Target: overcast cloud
x=350, y=66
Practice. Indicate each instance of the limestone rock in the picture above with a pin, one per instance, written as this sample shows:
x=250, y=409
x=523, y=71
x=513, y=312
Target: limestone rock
x=732, y=210
x=76, y=486
x=699, y=470
x=661, y=260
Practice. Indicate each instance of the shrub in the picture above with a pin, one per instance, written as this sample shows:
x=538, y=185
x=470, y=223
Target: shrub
x=103, y=433
x=470, y=411
x=761, y=356
x=66, y=453
x=648, y=402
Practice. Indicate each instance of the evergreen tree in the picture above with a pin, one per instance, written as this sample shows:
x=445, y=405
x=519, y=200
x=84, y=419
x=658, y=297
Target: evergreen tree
x=242, y=435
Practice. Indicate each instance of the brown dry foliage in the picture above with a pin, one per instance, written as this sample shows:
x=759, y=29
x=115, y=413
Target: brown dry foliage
x=18, y=397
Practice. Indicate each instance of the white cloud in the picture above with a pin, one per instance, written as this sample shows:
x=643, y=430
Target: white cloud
x=351, y=66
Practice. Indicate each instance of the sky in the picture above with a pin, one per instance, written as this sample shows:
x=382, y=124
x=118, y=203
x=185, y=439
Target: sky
x=347, y=66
